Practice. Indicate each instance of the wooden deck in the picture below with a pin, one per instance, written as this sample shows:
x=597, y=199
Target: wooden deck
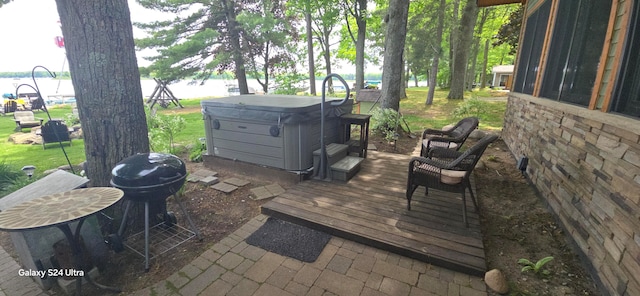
x=372, y=209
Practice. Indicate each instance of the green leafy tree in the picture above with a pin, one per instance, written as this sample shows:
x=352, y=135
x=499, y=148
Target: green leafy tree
x=509, y=32
x=273, y=39
x=202, y=38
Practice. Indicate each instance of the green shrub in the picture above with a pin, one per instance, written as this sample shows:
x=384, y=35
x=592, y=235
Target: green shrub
x=471, y=107
x=195, y=155
x=163, y=130
x=536, y=267
x=11, y=178
x=385, y=122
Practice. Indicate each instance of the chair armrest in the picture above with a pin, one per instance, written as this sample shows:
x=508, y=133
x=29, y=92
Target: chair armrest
x=434, y=132
x=418, y=161
x=444, y=153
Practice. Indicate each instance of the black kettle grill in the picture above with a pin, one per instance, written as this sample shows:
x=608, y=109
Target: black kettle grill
x=150, y=178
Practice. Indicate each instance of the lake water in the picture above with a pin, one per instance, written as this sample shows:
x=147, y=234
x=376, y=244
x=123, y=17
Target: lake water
x=183, y=89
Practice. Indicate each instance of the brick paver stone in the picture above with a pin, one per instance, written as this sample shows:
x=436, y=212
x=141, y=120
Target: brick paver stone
x=396, y=272
x=218, y=288
x=244, y=288
x=269, y=290
x=230, y=260
x=263, y=268
x=307, y=275
x=339, y=264
x=197, y=285
x=281, y=276
x=339, y=284
x=393, y=287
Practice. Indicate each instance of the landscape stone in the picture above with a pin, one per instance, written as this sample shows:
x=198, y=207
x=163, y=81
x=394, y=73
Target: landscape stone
x=496, y=281
x=372, y=147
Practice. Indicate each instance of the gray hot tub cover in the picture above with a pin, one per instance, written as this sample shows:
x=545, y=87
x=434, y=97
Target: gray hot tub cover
x=273, y=109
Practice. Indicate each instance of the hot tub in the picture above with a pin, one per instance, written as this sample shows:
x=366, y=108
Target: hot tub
x=275, y=131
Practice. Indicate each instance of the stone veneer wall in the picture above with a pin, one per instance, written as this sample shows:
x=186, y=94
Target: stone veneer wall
x=586, y=164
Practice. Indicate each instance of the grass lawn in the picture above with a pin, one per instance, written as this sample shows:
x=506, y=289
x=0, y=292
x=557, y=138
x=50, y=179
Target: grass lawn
x=417, y=115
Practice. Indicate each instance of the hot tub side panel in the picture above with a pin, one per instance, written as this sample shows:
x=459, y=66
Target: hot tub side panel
x=247, y=141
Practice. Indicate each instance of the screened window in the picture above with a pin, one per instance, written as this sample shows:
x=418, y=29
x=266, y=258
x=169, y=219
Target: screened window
x=531, y=49
x=575, y=49
x=627, y=96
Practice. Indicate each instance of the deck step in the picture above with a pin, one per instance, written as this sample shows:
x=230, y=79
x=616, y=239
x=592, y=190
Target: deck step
x=335, y=152
x=346, y=168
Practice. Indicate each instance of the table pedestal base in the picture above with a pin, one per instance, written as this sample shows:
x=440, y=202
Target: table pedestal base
x=74, y=243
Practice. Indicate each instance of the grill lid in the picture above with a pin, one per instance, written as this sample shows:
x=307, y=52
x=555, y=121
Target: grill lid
x=148, y=169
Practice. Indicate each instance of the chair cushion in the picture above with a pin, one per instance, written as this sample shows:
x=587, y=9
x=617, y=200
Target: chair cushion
x=450, y=177
x=451, y=145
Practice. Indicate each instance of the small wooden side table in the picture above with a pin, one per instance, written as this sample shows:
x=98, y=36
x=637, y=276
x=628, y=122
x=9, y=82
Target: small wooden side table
x=357, y=146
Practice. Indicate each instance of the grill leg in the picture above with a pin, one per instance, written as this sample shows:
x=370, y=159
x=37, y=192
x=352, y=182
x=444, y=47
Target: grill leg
x=123, y=224
x=146, y=236
x=184, y=211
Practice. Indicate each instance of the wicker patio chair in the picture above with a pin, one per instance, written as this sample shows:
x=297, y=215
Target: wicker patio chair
x=452, y=138
x=447, y=170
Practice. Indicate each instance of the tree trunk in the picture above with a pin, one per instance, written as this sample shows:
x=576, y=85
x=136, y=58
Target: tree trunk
x=476, y=48
x=361, y=21
x=312, y=67
x=392, y=66
x=106, y=81
x=327, y=58
x=234, y=37
x=453, y=39
x=467, y=22
x=433, y=74
x=483, y=74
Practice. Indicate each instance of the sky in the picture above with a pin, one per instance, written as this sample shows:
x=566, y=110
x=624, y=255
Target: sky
x=28, y=29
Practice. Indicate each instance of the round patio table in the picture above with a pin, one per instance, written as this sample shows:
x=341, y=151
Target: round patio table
x=59, y=210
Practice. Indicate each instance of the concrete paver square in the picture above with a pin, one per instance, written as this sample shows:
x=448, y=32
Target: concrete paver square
x=210, y=180
x=261, y=193
x=204, y=173
x=193, y=178
x=237, y=182
x=224, y=187
x=275, y=189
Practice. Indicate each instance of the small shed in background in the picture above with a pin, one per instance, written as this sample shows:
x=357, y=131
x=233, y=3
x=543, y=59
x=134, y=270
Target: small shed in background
x=502, y=76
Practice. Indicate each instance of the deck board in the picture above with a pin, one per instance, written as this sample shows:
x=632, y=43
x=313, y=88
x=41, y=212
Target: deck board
x=371, y=209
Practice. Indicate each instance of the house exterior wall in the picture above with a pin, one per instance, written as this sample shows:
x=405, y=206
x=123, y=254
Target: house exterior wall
x=586, y=165
x=585, y=162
